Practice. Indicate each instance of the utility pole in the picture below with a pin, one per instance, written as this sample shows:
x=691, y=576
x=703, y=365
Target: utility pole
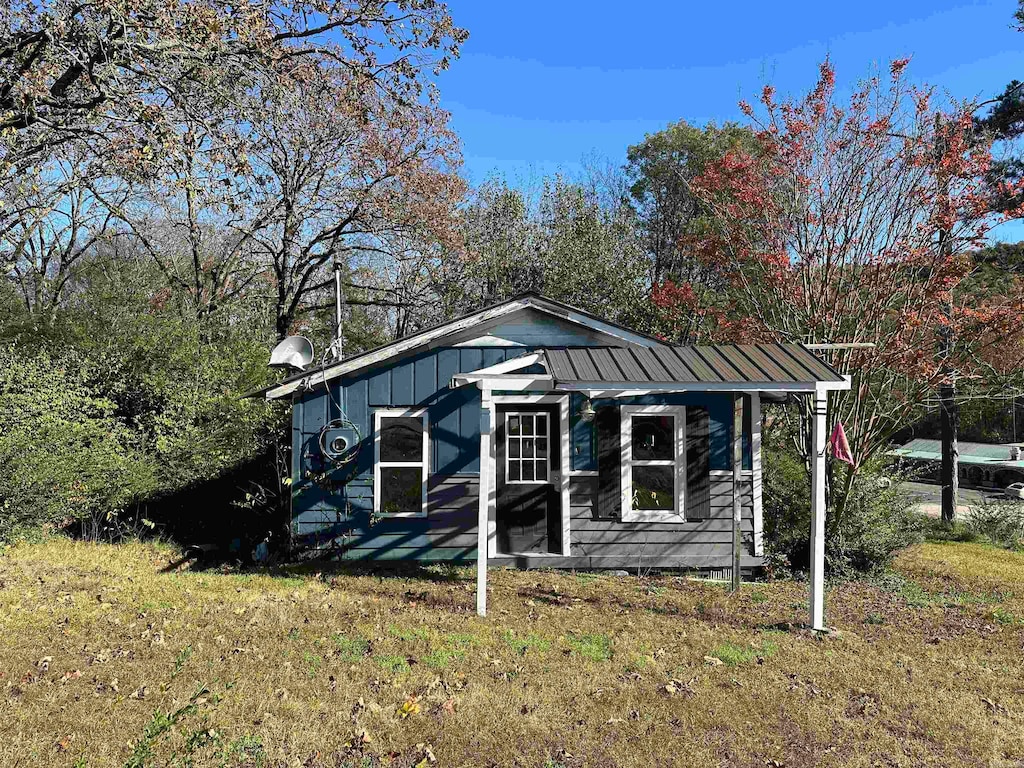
x=948, y=408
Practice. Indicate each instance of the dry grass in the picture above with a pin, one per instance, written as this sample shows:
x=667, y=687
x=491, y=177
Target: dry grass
x=569, y=670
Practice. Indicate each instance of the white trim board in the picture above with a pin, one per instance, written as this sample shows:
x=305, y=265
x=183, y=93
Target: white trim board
x=564, y=464
x=756, y=474
x=384, y=413
x=678, y=463
x=610, y=389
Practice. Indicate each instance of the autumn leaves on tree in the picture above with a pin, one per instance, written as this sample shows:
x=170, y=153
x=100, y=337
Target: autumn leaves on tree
x=826, y=229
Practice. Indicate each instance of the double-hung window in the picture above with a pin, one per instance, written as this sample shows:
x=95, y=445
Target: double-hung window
x=400, y=461
x=653, y=440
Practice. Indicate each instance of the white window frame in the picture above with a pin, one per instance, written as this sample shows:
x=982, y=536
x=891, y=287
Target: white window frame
x=626, y=463
x=378, y=465
x=547, y=459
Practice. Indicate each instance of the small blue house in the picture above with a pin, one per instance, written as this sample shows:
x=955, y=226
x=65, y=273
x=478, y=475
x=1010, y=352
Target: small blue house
x=534, y=434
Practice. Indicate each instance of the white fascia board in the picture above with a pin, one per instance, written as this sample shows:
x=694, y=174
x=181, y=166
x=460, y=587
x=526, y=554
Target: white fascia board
x=631, y=389
x=393, y=350
x=506, y=381
x=409, y=343
x=515, y=364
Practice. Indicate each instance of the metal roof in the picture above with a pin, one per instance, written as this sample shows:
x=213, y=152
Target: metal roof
x=970, y=453
x=669, y=364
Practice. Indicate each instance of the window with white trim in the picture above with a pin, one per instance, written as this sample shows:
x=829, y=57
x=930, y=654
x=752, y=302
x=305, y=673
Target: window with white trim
x=653, y=463
x=401, y=457
x=526, y=447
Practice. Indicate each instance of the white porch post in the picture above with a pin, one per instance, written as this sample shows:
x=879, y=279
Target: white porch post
x=757, y=485
x=486, y=439
x=818, y=426
x=737, y=496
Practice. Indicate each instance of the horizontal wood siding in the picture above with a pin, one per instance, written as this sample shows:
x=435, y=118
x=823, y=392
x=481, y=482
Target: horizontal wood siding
x=658, y=544
x=447, y=533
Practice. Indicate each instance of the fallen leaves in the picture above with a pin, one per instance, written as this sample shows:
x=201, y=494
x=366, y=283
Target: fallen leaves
x=409, y=707
x=676, y=687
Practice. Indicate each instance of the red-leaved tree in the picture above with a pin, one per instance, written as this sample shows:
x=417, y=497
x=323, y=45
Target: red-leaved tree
x=853, y=222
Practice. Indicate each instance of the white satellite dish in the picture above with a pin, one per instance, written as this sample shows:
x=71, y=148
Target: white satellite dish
x=294, y=352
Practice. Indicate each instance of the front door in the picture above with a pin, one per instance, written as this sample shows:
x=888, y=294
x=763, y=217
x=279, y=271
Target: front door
x=528, y=511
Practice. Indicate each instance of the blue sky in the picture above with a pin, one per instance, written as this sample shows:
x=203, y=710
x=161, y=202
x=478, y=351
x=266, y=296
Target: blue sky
x=540, y=85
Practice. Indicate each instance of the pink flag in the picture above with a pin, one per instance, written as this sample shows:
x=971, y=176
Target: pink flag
x=840, y=447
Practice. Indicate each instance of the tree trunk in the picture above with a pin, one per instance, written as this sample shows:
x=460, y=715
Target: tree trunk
x=950, y=414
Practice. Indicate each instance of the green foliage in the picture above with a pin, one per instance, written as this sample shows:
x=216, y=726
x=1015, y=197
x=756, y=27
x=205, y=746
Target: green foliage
x=393, y=664
x=442, y=658
x=734, y=655
x=998, y=522
x=875, y=522
x=916, y=596
x=159, y=725
x=351, y=649
x=124, y=400
x=64, y=453
x=525, y=644
x=567, y=245
x=660, y=170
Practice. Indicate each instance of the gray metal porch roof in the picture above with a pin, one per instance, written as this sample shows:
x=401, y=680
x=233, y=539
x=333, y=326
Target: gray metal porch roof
x=669, y=364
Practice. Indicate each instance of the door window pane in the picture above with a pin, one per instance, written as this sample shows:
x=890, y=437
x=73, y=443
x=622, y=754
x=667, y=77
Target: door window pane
x=401, y=489
x=653, y=438
x=527, y=449
x=401, y=438
x=654, y=487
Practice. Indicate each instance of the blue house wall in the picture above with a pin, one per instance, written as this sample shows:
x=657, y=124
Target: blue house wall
x=332, y=507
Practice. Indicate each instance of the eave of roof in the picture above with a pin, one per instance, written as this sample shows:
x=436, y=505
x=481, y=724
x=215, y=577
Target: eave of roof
x=321, y=374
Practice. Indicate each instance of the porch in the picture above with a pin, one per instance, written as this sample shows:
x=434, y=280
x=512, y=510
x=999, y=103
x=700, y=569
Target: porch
x=655, y=492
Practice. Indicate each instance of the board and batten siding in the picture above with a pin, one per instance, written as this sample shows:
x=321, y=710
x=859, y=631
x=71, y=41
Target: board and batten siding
x=332, y=507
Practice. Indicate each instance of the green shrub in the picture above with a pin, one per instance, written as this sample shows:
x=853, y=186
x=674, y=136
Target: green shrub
x=125, y=408
x=936, y=529
x=64, y=454
x=997, y=522
x=875, y=522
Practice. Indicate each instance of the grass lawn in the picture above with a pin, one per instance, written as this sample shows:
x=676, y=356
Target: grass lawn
x=111, y=656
